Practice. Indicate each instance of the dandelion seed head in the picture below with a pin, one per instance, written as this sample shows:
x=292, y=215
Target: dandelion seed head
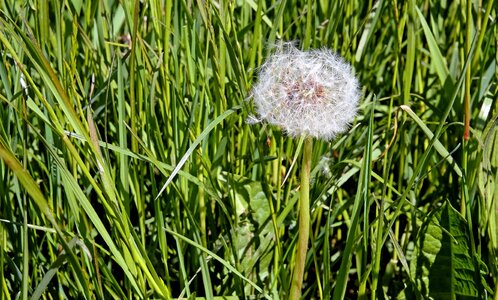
x=306, y=93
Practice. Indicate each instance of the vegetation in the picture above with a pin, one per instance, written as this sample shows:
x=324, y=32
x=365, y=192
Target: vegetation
x=128, y=169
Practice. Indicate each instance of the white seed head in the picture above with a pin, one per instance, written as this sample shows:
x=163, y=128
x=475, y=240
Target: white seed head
x=311, y=93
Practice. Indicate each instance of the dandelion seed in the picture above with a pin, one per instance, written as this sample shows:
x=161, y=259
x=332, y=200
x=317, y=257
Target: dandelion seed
x=312, y=93
x=24, y=85
x=252, y=120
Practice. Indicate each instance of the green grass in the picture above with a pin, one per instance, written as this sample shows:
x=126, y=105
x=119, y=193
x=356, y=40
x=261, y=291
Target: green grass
x=127, y=168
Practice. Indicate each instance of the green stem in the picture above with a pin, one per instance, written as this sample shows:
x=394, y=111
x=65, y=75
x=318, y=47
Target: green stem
x=304, y=222
x=378, y=249
x=25, y=240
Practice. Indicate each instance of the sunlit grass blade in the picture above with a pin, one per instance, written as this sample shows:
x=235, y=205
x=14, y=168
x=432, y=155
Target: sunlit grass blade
x=437, y=144
x=437, y=58
x=32, y=189
x=361, y=200
x=194, y=144
x=219, y=259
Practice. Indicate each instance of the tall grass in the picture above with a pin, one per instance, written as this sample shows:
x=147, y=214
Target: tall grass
x=128, y=170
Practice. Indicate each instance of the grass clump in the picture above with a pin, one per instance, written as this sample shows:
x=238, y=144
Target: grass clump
x=128, y=170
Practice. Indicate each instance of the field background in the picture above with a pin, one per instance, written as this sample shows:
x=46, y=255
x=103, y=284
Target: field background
x=128, y=169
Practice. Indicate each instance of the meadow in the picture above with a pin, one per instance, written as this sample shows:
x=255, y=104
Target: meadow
x=128, y=167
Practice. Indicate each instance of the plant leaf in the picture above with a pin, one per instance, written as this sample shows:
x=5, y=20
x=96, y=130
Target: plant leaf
x=442, y=266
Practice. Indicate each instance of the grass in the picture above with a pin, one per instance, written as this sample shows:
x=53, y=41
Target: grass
x=128, y=169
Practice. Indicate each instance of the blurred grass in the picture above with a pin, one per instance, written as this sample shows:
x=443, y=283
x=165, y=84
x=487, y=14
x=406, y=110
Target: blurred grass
x=128, y=170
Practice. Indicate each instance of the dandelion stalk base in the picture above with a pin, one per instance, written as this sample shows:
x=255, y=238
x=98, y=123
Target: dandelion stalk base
x=304, y=222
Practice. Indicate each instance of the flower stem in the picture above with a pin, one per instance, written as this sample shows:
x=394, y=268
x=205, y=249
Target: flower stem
x=304, y=222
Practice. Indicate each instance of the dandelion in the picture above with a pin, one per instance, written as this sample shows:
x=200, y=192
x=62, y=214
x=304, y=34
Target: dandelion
x=312, y=93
